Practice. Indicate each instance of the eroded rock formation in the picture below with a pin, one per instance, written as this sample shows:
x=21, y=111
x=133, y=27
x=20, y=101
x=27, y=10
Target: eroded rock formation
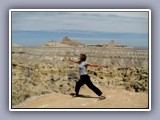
x=70, y=42
x=41, y=70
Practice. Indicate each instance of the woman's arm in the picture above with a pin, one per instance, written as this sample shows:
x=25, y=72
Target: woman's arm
x=72, y=60
x=95, y=65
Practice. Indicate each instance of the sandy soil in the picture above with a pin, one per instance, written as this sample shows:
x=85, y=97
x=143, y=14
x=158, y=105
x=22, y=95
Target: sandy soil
x=115, y=98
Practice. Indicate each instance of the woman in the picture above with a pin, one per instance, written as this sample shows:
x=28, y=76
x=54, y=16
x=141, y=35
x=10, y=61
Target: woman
x=84, y=77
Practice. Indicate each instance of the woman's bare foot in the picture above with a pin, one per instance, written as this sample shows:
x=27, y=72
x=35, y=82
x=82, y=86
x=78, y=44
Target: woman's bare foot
x=102, y=97
x=74, y=94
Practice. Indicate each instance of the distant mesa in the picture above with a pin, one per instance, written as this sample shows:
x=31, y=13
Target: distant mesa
x=65, y=42
x=70, y=42
x=15, y=45
x=53, y=43
x=113, y=43
x=110, y=44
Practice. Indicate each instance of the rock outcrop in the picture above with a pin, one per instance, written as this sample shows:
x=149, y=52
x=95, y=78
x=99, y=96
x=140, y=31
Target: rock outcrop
x=30, y=79
x=53, y=43
x=35, y=79
x=70, y=42
x=111, y=44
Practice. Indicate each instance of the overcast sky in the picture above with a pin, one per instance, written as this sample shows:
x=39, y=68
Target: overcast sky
x=117, y=22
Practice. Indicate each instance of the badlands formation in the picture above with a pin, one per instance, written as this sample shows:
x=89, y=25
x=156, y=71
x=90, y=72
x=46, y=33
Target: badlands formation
x=42, y=79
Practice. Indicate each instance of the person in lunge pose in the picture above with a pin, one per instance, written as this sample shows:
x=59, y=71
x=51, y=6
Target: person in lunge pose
x=84, y=77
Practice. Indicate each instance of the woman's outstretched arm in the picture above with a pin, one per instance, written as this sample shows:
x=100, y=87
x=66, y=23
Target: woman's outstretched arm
x=72, y=60
x=95, y=65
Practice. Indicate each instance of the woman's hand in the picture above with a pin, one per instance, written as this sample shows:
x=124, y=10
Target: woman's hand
x=101, y=66
x=73, y=60
x=67, y=53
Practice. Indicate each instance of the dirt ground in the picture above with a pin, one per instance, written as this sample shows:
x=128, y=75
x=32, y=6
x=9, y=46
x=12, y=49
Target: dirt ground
x=115, y=98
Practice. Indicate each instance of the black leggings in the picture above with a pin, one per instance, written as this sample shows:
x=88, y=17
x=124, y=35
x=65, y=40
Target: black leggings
x=85, y=79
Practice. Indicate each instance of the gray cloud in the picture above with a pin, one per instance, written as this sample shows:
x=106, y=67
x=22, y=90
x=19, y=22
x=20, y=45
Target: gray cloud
x=131, y=22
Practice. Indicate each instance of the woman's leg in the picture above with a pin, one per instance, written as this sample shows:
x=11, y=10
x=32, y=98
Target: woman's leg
x=79, y=84
x=91, y=86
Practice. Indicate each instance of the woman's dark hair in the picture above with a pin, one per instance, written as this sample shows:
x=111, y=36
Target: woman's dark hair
x=83, y=57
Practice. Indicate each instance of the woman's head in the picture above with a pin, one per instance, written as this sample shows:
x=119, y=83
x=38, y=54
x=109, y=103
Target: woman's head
x=83, y=57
